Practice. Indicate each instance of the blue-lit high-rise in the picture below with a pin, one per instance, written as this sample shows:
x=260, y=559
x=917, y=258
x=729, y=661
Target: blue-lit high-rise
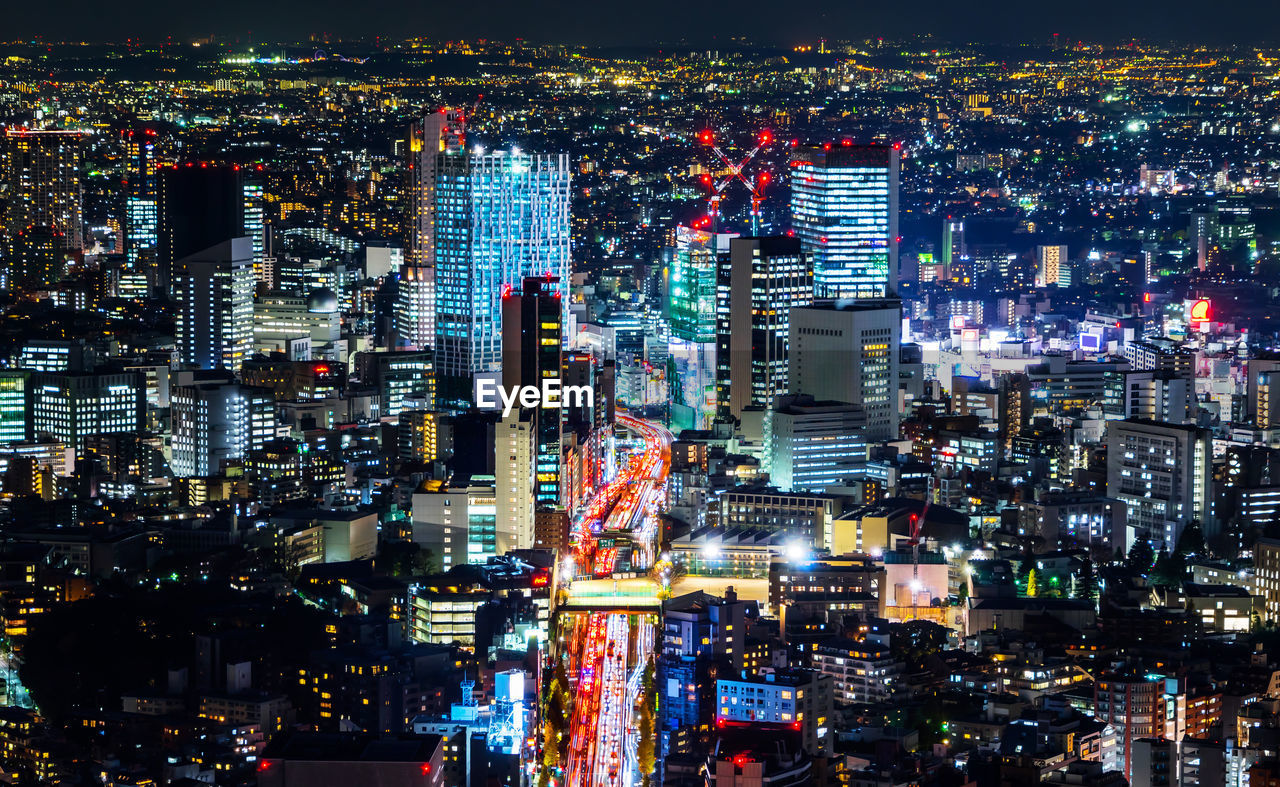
x=499, y=217
x=844, y=209
x=142, y=202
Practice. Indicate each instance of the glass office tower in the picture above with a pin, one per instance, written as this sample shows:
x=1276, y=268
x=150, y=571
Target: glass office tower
x=844, y=209
x=499, y=217
x=692, y=315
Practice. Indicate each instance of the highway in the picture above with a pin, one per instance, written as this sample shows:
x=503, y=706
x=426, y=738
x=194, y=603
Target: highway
x=609, y=649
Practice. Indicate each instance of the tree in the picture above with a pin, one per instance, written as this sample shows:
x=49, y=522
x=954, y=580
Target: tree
x=404, y=559
x=1169, y=569
x=914, y=641
x=1141, y=556
x=1191, y=540
x=1086, y=582
x=1033, y=584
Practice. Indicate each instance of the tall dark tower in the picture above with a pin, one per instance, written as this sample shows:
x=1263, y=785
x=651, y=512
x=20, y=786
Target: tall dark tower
x=532, y=337
x=200, y=207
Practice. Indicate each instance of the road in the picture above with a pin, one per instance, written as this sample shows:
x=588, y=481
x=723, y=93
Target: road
x=609, y=649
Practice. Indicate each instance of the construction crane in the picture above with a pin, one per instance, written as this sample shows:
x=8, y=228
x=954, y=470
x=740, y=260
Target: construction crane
x=755, y=185
x=917, y=527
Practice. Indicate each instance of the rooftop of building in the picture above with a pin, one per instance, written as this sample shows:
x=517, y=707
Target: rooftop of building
x=342, y=747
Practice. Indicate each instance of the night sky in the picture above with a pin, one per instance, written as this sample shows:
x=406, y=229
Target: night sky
x=639, y=23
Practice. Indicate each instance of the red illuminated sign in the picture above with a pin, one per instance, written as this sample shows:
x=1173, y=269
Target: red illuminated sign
x=1201, y=311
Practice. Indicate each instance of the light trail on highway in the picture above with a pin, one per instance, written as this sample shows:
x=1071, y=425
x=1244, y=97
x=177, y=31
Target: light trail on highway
x=610, y=653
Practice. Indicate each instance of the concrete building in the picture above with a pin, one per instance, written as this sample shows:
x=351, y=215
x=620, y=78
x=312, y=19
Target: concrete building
x=759, y=282
x=216, y=421
x=214, y=292
x=458, y=523
x=1161, y=472
x=815, y=444
x=847, y=351
x=783, y=697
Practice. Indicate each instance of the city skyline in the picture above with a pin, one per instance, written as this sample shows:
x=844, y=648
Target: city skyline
x=816, y=411
x=996, y=21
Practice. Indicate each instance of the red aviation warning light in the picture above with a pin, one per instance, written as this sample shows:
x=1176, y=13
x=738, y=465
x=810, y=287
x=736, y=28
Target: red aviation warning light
x=705, y=137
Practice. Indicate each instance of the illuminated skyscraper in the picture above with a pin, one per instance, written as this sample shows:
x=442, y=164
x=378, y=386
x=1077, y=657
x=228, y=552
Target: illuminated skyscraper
x=429, y=136
x=532, y=339
x=514, y=454
x=214, y=291
x=72, y=406
x=693, y=283
x=416, y=307
x=142, y=198
x=1052, y=266
x=255, y=224
x=844, y=209
x=692, y=315
x=499, y=217
x=760, y=281
x=43, y=217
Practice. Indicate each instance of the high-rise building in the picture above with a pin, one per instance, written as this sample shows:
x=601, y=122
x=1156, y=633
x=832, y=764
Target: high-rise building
x=1052, y=266
x=692, y=283
x=954, y=247
x=255, y=226
x=281, y=319
x=201, y=206
x=786, y=697
x=691, y=312
x=44, y=214
x=759, y=282
x=429, y=136
x=1161, y=472
x=403, y=379
x=415, y=314
x=214, y=291
x=458, y=523
x=847, y=351
x=532, y=338
x=422, y=436
x=1256, y=368
x=216, y=421
x=844, y=209
x=499, y=217
x=72, y=406
x=815, y=444
x=1131, y=703
x=515, y=449
x=142, y=198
